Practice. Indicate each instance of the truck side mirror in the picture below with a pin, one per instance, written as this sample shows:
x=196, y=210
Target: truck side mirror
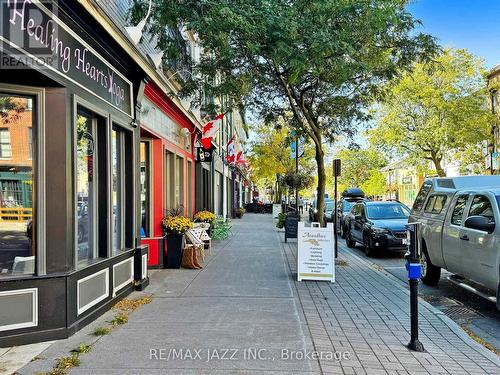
x=482, y=223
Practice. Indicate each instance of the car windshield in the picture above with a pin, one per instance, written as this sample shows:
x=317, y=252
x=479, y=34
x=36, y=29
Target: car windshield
x=387, y=211
x=346, y=206
x=329, y=206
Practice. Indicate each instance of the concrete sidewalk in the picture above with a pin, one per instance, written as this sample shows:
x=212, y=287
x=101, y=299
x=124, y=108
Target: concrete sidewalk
x=245, y=313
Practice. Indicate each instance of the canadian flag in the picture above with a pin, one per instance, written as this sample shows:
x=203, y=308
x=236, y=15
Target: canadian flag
x=238, y=153
x=209, y=131
x=230, y=157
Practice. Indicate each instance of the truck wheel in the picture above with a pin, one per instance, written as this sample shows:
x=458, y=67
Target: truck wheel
x=430, y=272
x=349, y=241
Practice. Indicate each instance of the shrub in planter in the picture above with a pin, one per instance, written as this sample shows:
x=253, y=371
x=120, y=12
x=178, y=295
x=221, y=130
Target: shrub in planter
x=240, y=212
x=281, y=220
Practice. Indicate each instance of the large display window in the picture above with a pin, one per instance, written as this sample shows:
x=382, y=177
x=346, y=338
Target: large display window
x=17, y=220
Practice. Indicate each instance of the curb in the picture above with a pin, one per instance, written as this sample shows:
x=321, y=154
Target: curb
x=454, y=327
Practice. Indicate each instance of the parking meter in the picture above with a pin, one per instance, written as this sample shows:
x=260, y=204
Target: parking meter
x=414, y=269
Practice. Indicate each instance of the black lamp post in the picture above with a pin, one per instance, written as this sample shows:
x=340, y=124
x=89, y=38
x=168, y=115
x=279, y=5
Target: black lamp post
x=491, y=150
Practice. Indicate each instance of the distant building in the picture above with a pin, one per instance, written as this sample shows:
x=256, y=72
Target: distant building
x=404, y=179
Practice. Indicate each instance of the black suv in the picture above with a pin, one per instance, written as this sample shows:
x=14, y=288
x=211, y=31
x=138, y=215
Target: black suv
x=349, y=197
x=377, y=225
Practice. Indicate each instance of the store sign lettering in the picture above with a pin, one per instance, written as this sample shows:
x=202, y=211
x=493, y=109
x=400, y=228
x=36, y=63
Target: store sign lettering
x=29, y=27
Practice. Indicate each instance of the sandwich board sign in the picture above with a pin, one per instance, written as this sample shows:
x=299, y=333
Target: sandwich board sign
x=276, y=210
x=315, y=252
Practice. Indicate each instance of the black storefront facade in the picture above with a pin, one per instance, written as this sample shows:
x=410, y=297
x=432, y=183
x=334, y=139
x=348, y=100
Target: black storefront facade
x=69, y=147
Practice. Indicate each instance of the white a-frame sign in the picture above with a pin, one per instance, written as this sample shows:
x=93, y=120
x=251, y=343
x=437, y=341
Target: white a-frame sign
x=315, y=253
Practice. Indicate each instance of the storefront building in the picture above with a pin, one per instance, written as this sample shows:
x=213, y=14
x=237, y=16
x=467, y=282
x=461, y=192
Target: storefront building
x=167, y=168
x=69, y=166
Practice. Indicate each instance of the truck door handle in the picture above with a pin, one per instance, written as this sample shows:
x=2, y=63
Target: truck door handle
x=464, y=237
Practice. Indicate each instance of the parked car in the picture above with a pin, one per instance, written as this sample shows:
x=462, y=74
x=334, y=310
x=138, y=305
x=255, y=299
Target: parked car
x=329, y=208
x=349, y=198
x=460, y=229
x=313, y=210
x=377, y=226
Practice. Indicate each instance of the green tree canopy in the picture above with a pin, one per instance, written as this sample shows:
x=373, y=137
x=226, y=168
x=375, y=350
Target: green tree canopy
x=322, y=61
x=269, y=155
x=437, y=110
x=361, y=168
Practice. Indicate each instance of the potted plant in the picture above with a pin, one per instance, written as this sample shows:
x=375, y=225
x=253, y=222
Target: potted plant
x=240, y=212
x=175, y=227
x=205, y=217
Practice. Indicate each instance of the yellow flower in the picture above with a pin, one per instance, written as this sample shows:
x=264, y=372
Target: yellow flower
x=177, y=224
x=204, y=216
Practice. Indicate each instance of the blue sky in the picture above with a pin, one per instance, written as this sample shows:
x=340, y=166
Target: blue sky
x=471, y=24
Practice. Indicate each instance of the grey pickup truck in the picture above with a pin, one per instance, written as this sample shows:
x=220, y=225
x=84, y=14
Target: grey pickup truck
x=460, y=229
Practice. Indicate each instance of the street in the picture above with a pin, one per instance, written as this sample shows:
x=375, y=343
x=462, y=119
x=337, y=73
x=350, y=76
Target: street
x=464, y=307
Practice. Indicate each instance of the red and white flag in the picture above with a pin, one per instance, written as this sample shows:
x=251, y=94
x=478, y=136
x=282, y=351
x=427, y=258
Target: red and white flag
x=209, y=131
x=231, y=156
x=238, y=153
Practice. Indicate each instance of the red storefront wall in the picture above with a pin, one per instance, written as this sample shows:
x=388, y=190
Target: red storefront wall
x=159, y=147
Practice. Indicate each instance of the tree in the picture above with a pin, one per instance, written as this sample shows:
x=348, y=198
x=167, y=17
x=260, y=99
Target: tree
x=436, y=111
x=361, y=168
x=323, y=61
x=375, y=184
x=270, y=155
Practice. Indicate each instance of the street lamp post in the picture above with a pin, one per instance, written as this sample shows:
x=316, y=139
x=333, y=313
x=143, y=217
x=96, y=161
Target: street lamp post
x=491, y=150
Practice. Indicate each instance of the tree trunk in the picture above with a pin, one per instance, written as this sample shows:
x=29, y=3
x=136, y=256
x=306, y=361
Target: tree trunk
x=320, y=162
x=437, y=163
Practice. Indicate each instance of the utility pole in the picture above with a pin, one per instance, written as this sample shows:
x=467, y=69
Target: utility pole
x=297, y=175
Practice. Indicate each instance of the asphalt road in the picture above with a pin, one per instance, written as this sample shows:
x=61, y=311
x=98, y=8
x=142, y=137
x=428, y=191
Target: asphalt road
x=464, y=307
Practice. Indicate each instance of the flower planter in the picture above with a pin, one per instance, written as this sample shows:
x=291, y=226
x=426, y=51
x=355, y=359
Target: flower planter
x=175, y=246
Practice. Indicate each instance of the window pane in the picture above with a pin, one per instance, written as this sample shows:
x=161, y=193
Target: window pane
x=17, y=240
x=481, y=206
x=422, y=194
x=439, y=204
x=145, y=194
x=430, y=204
x=85, y=186
x=117, y=189
x=458, y=210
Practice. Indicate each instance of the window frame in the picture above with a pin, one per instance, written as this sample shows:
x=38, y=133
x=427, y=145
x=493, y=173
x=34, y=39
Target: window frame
x=37, y=95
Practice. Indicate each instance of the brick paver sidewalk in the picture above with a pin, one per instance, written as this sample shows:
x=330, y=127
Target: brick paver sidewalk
x=366, y=312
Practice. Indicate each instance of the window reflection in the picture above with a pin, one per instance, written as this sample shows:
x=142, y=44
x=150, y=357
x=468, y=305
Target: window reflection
x=144, y=154
x=17, y=245
x=85, y=186
x=117, y=189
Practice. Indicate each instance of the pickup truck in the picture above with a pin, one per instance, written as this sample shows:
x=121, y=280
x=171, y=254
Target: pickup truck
x=460, y=231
